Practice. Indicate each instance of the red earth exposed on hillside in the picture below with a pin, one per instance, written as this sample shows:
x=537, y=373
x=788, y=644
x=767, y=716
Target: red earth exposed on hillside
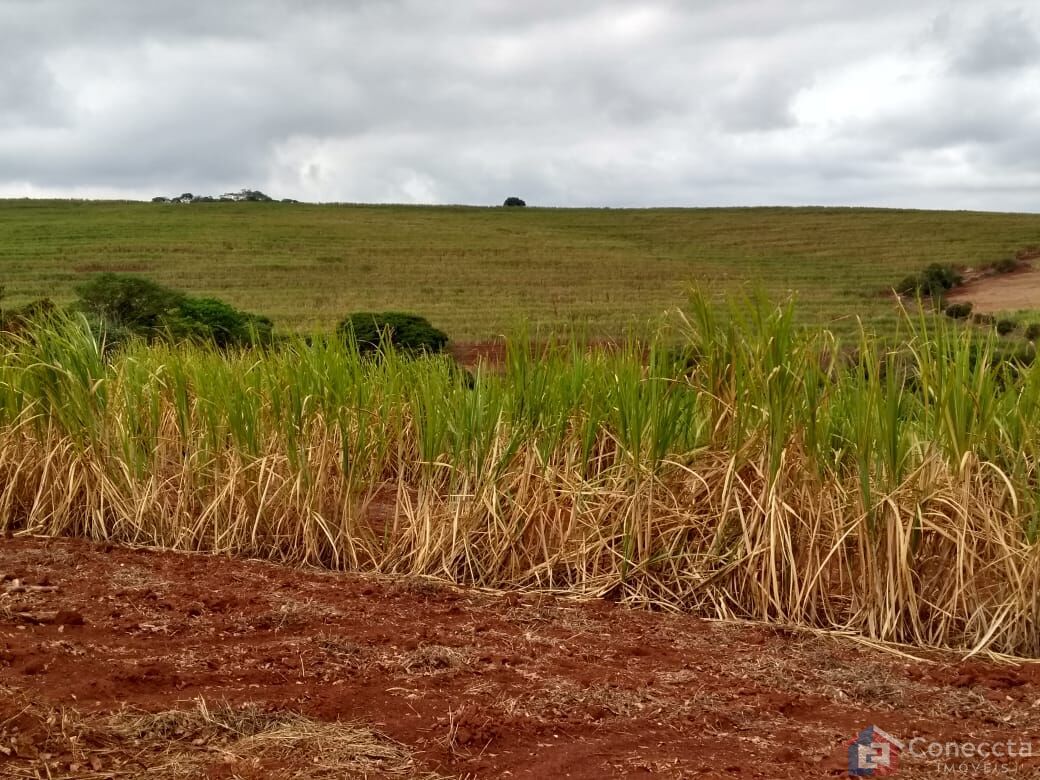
x=1001, y=292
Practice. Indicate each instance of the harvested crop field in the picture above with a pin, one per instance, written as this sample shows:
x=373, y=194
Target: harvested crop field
x=118, y=662
x=477, y=273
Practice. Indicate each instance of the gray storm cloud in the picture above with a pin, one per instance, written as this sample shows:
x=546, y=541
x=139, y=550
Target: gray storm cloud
x=618, y=103
x=1004, y=41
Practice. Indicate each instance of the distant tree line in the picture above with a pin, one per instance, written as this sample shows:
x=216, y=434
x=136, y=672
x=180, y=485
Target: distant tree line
x=252, y=196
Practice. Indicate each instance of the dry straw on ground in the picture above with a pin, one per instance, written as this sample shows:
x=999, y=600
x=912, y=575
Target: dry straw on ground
x=188, y=743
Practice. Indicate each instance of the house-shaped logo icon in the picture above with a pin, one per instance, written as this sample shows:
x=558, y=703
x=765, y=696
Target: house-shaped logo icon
x=873, y=753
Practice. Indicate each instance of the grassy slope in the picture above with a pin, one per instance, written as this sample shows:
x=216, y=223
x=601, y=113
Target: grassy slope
x=477, y=272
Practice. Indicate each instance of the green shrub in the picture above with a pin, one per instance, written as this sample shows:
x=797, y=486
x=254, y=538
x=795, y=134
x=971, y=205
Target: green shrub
x=932, y=282
x=514, y=202
x=938, y=278
x=406, y=332
x=984, y=319
x=1006, y=327
x=261, y=328
x=1006, y=265
x=120, y=305
x=958, y=311
x=129, y=301
x=1033, y=331
x=911, y=285
x=209, y=319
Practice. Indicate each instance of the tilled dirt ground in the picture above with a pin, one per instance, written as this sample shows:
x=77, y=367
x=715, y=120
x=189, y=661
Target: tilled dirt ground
x=118, y=662
x=1005, y=292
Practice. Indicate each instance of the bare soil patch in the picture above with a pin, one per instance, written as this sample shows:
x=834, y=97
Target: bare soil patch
x=470, y=354
x=1001, y=292
x=117, y=662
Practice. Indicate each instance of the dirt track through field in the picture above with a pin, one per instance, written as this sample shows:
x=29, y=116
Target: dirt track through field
x=129, y=663
x=1005, y=292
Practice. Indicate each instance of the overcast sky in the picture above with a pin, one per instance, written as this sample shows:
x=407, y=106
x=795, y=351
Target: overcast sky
x=564, y=103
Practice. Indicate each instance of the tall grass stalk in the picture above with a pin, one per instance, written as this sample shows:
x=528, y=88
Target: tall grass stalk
x=758, y=471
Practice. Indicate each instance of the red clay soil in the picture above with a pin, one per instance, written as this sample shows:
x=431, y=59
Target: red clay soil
x=990, y=294
x=470, y=354
x=463, y=683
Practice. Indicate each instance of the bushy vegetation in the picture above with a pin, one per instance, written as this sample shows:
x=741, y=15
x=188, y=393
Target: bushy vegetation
x=1033, y=332
x=1006, y=265
x=958, y=311
x=129, y=301
x=932, y=282
x=1005, y=327
x=209, y=319
x=122, y=304
x=374, y=332
x=514, y=202
x=762, y=477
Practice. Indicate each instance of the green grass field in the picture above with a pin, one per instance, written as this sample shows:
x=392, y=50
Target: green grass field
x=479, y=272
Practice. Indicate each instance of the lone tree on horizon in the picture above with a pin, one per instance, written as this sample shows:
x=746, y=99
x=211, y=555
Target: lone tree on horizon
x=514, y=201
